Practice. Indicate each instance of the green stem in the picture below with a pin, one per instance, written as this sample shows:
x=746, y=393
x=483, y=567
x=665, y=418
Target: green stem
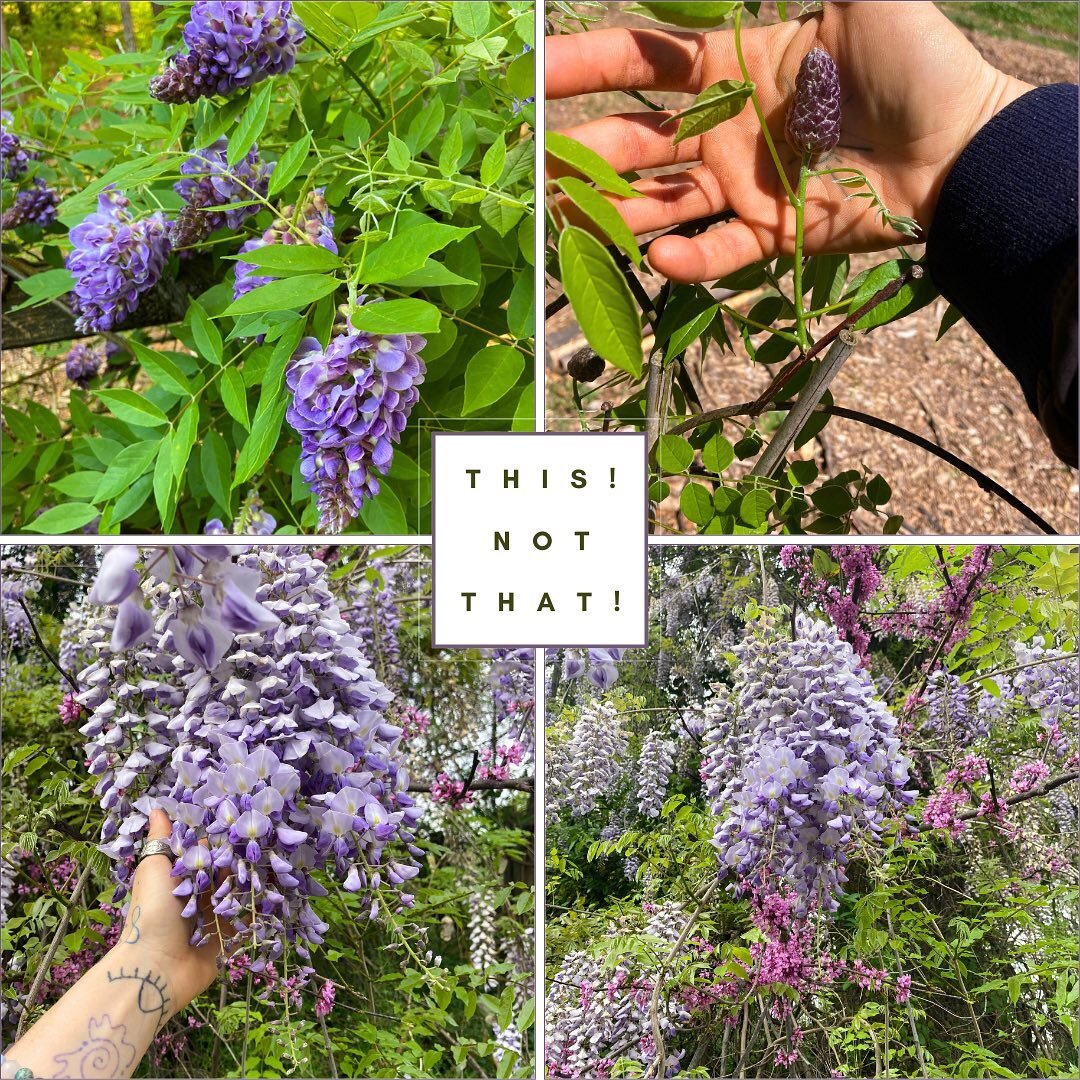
x=757, y=108
x=800, y=209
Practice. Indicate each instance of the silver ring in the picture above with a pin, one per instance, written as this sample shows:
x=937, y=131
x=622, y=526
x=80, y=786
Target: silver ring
x=156, y=847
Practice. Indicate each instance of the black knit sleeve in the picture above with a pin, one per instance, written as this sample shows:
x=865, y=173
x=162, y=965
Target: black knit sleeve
x=1003, y=249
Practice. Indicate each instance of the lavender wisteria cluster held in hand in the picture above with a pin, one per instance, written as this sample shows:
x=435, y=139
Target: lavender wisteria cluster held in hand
x=115, y=258
x=232, y=44
x=351, y=402
x=268, y=748
x=802, y=763
x=207, y=180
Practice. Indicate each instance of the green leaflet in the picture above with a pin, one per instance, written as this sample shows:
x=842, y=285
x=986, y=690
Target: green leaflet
x=601, y=300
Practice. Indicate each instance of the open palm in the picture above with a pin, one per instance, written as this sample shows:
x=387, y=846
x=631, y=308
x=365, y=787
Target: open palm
x=913, y=93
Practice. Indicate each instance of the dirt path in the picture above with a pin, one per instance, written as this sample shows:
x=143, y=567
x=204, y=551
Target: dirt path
x=954, y=392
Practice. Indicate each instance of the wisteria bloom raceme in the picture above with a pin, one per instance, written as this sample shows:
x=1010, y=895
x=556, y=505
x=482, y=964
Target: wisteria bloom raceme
x=82, y=364
x=252, y=520
x=115, y=259
x=588, y=766
x=952, y=712
x=311, y=223
x=813, y=119
x=654, y=766
x=278, y=753
x=35, y=205
x=595, y=1014
x=351, y=402
x=372, y=609
x=232, y=44
x=1048, y=683
x=601, y=669
x=483, y=934
x=208, y=180
x=803, y=762
x=14, y=160
x=16, y=589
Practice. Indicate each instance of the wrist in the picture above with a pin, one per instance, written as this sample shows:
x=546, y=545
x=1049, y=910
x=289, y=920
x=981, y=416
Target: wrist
x=177, y=978
x=997, y=92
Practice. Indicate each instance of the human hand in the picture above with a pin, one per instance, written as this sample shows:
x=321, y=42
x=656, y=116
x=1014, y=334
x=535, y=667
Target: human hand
x=155, y=926
x=913, y=94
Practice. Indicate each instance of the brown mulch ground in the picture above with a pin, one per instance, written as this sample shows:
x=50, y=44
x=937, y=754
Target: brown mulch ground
x=954, y=392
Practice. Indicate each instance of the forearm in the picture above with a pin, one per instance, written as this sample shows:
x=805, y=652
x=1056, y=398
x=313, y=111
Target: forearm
x=104, y=1024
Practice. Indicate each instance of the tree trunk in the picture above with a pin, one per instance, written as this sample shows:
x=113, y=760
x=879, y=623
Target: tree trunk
x=129, y=26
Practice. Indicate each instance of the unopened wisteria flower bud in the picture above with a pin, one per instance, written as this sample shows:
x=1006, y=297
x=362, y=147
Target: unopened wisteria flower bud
x=115, y=259
x=35, y=205
x=82, y=364
x=208, y=181
x=350, y=404
x=232, y=44
x=813, y=119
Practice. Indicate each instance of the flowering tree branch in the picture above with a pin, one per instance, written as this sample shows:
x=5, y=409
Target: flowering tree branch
x=1033, y=793
x=523, y=783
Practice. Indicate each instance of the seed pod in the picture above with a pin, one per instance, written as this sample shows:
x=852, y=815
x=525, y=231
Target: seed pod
x=585, y=365
x=813, y=120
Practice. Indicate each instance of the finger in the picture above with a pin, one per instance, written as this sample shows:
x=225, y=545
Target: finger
x=673, y=200
x=160, y=825
x=155, y=868
x=623, y=60
x=630, y=142
x=712, y=255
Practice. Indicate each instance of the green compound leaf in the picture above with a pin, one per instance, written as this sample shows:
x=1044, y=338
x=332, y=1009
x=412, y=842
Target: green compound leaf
x=606, y=218
x=289, y=165
x=289, y=294
x=397, y=317
x=491, y=373
x=674, y=454
x=291, y=258
x=713, y=106
x=754, y=507
x=132, y=408
x=589, y=164
x=697, y=505
x=717, y=454
x=251, y=124
x=63, y=519
x=601, y=300
x=912, y=296
x=833, y=499
x=951, y=317
x=207, y=335
x=125, y=469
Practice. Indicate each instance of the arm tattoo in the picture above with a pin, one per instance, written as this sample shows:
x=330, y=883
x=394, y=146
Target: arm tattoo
x=104, y=1052
x=134, y=933
x=152, y=998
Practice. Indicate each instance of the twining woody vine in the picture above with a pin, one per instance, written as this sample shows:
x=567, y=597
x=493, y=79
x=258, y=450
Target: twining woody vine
x=779, y=491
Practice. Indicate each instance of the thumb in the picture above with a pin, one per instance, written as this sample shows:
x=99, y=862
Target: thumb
x=160, y=825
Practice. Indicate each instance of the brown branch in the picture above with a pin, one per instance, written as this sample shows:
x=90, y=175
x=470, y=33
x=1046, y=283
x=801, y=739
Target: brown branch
x=1033, y=793
x=42, y=646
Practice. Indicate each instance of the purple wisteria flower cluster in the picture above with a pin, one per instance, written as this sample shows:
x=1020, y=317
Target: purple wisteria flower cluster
x=597, y=1013
x=953, y=712
x=372, y=611
x=483, y=934
x=254, y=720
x=1048, y=683
x=654, y=767
x=16, y=587
x=351, y=402
x=14, y=159
x=311, y=223
x=252, y=520
x=208, y=180
x=589, y=765
x=599, y=666
x=115, y=258
x=232, y=44
x=802, y=763
x=35, y=205
x=82, y=364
